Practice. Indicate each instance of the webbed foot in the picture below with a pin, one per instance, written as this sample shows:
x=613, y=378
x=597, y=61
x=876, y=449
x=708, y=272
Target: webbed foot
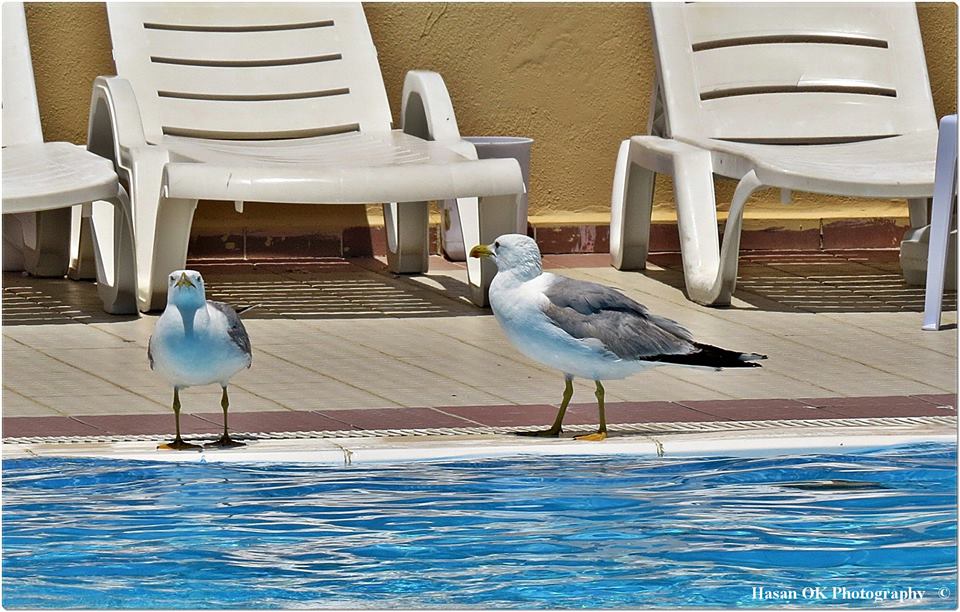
x=225, y=441
x=178, y=445
x=594, y=437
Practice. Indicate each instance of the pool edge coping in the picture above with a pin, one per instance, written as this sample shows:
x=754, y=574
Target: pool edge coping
x=773, y=438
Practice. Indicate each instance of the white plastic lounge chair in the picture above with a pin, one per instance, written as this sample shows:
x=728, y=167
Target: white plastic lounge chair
x=826, y=98
x=37, y=242
x=54, y=176
x=281, y=103
x=941, y=223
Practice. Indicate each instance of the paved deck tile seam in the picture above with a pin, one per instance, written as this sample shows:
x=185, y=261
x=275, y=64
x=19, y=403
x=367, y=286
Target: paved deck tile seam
x=413, y=362
x=328, y=375
x=84, y=370
x=833, y=316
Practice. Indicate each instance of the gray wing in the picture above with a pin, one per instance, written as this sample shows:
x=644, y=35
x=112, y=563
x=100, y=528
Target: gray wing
x=238, y=333
x=625, y=327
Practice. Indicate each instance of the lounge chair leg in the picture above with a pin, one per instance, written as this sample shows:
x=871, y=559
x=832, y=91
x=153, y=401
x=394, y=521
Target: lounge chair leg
x=482, y=221
x=710, y=272
x=83, y=265
x=730, y=250
x=49, y=255
x=941, y=223
x=407, y=239
x=171, y=238
x=631, y=205
x=919, y=220
x=112, y=241
x=937, y=262
x=919, y=212
x=161, y=227
x=697, y=223
x=917, y=234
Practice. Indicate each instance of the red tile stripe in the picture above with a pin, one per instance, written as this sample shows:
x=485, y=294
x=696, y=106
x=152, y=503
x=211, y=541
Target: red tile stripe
x=536, y=415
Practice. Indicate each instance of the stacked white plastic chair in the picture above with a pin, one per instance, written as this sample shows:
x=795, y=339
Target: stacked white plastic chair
x=941, y=223
x=36, y=241
x=824, y=98
x=281, y=103
x=55, y=176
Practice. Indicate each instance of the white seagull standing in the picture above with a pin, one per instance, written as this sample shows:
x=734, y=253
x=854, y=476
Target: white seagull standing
x=586, y=329
x=197, y=342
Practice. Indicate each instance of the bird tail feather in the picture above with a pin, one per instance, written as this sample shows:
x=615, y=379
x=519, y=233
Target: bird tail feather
x=715, y=357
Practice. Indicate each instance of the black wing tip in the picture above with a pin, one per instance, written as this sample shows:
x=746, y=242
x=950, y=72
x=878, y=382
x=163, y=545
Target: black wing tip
x=745, y=360
x=713, y=357
x=245, y=309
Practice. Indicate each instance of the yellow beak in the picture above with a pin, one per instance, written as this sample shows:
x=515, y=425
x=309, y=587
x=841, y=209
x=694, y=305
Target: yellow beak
x=480, y=251
x=183, y=281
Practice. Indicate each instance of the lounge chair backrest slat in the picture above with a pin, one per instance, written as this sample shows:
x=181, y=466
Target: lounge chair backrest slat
x=249, y=71
x=791, y=72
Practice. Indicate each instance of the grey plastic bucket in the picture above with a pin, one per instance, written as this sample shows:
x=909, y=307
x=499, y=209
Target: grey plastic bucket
x=488, y=147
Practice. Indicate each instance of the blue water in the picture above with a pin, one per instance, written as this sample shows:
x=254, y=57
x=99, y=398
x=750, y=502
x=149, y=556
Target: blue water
x=575, y=532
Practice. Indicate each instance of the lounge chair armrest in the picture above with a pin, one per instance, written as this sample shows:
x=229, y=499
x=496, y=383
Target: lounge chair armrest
x=658, y=154
x=115, y=127
x=427, y=111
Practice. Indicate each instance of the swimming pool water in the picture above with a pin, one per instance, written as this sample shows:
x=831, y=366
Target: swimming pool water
x=574, y=532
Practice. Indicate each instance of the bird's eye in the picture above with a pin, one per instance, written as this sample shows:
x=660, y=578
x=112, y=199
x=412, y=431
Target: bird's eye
x=496, y=244
x=200, y=278
x=173, y=277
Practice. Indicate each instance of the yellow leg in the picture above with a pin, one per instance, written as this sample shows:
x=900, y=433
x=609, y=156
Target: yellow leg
x=557, y=428
x=225, y=440
x=178, y=443
x=602, y=432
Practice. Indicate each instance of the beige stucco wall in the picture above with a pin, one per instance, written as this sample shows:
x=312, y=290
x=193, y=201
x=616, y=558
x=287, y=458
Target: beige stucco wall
x=575, y=77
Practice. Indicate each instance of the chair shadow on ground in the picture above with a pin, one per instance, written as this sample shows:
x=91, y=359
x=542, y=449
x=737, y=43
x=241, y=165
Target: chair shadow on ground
x=840, y=281
x=318, y=289
x=816, y=282
x=29, y=300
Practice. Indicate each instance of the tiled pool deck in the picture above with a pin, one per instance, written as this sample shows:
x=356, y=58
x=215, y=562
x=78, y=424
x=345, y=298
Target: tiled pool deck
x=343, y=345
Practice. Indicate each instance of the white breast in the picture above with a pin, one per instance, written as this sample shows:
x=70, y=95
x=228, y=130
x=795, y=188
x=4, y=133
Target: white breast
x=203, y=357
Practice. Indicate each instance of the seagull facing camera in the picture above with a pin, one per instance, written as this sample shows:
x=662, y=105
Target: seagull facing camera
x=197, y=342
x=585, y=329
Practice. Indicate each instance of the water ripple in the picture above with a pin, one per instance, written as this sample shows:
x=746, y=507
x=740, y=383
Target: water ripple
x=576, y=532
